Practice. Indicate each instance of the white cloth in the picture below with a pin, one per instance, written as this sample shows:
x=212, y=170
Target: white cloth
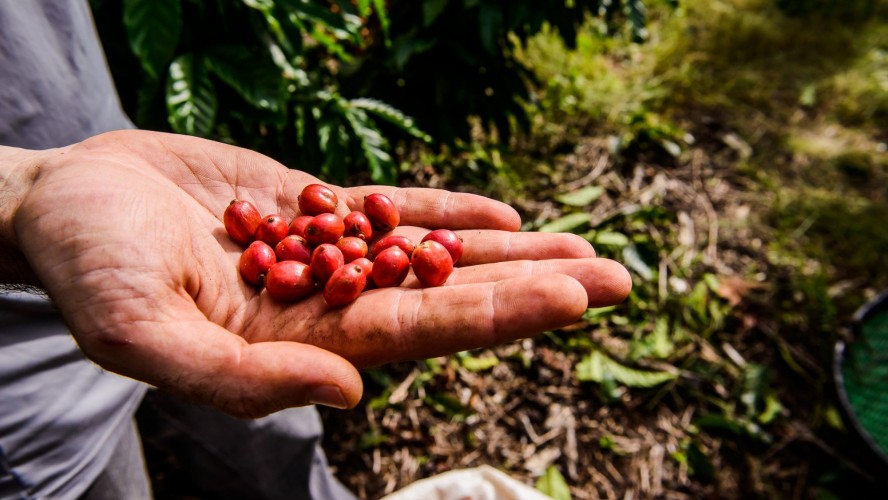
x=479, y=483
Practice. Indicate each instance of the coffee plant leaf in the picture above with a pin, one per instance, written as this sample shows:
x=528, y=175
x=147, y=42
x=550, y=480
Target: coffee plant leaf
x=597, y=366
x=190, y=96
x=390, y=114
x=553, y=485
x=254, y=76
x=153, y=28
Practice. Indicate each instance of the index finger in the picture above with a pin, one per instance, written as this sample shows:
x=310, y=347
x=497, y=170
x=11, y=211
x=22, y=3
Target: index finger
x=438, y=208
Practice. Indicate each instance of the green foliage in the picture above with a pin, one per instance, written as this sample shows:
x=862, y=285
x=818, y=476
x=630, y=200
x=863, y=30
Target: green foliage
x=758, y=407
x=259, y=73
x=597, y=367
x=477, y=363
x=154, y=28
x=190, y=96
x=832, y=228
x=566, y=224
x=553, y=485
x=842, y=8
x=700, y=464
x=448, y=405
x=451, y=60
x=581, y=197
x=786, y=112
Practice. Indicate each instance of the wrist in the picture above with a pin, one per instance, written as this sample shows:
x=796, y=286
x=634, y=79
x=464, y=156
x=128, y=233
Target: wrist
x=18, y=170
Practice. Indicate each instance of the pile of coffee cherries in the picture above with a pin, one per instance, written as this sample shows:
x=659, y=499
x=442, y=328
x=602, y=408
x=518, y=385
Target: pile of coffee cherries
x=319, y=250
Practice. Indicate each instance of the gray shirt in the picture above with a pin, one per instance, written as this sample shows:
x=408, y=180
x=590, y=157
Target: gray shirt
x=60, y=414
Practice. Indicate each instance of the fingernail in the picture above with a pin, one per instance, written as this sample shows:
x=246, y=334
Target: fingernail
x=327, y=395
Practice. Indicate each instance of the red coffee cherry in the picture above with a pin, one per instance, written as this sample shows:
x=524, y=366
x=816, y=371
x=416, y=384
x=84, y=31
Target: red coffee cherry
x=289, y=281
x=352, y=248
x=390, y=267
x=357, y=224
x=345, y=285
x=255, y=262
x=451, y=241
x=241, y=220
x=365, y=264
x=293, y=248
x=382, y=212
x=396, y=240
x=324, y=228
x=272, y=229
x=325, y=259
x=432, y=264
x=297, y=227
x=317, y=199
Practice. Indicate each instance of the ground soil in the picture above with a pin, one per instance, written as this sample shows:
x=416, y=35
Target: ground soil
x=530, y=411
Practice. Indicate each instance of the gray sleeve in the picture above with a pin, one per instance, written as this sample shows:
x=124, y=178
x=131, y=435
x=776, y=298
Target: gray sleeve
x=55, y=88
x=59, y=413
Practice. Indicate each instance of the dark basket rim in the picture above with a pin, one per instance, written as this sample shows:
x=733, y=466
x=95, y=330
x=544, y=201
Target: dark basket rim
x=877, y=304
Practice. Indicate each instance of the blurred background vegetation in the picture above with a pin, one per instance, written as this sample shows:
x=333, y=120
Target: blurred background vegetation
x=733, y=154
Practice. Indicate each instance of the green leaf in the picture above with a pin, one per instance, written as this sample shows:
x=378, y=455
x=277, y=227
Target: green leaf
x=391, y=115
x=476, y=364
x=431, y=9
x=608, y=238
x=371, y=439
x=279, y=56
x=662, y=343
x=833, y=418
x=581, y=197
x=610, y=389
x=406, y=46
x=373, y=146
x=254, y=76
x=380, y=377
x=568, y=223
x=331, y=42
x=384, y=22
x=262, y=5
x=772, y=410
x=287, y=30
x=153, y=28
x=597, y=313
x=447, y=404
x=808, y=97
x=755, y=388
x=380, y=402
x=341, y=25
x=633, y=260
x=333, y=139
x=735, y=425
x=712, y=282
x=596, y=367
x=700, y=465
x=698, y=298
x=553, y=485
x=490, y=20
x=656, y=345
x=190, y=97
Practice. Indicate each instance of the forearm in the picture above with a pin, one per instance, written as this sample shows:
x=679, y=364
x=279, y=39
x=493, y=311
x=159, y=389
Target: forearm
x=18, y=171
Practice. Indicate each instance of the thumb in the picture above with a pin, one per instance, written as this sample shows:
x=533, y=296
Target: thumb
x=208, y=364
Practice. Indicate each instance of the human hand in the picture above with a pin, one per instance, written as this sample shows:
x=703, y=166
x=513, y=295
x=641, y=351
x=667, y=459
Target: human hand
x=124, y=231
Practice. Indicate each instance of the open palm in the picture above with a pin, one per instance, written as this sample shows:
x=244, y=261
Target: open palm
x=125, y=233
